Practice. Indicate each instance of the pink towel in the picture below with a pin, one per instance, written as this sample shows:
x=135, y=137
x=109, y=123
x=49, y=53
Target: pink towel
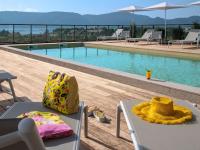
x=49, y=125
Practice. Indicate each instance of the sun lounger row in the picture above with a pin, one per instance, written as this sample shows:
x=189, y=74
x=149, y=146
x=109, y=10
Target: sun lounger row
x=151, y=35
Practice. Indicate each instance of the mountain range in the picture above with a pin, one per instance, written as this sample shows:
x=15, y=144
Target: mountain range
x=69, y=18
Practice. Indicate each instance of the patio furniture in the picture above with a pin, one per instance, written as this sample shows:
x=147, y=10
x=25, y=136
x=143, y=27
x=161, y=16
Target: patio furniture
x=150, y=136
x=21, y=134
x=192, y=37
x=125, y=34
x=115, y=36
x=6, y=76
x=157, y=36
x=147, y=36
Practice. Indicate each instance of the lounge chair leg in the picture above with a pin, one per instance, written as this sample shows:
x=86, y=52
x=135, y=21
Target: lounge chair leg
x=1, y=87
x=86, y=121
x=12, y=90
x=118, y=116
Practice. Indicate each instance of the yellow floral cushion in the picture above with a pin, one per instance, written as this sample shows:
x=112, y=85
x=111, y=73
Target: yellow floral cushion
x=61, y=93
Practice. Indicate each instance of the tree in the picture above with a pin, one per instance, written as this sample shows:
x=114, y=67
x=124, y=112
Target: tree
x=4, y=33
x=195, y=25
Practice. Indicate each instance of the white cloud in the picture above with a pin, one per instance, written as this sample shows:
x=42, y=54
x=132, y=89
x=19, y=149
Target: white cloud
x=18, y=7
x=30, y=10
x=23, y=10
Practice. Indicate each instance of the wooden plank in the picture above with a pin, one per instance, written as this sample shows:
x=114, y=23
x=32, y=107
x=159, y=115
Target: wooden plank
x=97, y=91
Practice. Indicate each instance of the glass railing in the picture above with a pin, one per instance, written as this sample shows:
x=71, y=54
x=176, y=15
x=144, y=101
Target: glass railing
x=36, y=33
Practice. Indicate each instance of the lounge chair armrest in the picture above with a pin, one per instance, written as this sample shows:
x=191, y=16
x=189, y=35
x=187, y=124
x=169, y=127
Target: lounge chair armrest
x=21, y=130
x=29, y=134
x=9, y=139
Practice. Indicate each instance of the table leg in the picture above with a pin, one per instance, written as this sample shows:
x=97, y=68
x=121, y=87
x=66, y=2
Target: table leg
x=118, y=116
x=86, y=121
x=12, y=90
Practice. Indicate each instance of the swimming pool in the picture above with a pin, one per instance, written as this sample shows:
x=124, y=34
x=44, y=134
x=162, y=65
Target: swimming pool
x=178, y=70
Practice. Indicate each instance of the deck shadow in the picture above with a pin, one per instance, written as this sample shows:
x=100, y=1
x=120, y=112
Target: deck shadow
x=125, y=139
x=8, y=102
x=85, y=146
x=101, y=143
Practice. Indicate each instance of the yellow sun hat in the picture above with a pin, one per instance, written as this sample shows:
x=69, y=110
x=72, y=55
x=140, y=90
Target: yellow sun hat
x=161, y=110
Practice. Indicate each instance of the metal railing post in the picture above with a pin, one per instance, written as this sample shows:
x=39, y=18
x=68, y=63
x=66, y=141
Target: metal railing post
x=108, y=28
x=13, y=36
x=31, y=30
x=74, y=34
x=179, y=27
x=86, y=36
x=46, y=35
x=142, y=29
x=131, y=31
x=61, y=36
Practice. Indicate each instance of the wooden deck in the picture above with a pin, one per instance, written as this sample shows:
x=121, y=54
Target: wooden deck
x=94, y=90
x=186, y=49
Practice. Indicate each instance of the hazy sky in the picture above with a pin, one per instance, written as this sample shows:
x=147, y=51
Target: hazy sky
x=95, y=6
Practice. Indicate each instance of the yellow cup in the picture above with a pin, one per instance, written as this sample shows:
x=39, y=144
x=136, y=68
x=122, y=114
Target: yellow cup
x=148, y=75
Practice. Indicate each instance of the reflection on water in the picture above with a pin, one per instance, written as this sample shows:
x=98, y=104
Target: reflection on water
x=164, y=68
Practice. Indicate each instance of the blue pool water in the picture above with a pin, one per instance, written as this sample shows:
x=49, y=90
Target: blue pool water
x=177, y=70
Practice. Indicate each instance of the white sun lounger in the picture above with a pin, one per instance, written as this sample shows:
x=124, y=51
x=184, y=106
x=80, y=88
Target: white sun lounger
x=23, y=135
x=147, y=36
x=149, y=136
x=115, y=36
x=192, y=37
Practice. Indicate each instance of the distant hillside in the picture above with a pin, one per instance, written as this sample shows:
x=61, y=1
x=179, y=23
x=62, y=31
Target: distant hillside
x=13, y=17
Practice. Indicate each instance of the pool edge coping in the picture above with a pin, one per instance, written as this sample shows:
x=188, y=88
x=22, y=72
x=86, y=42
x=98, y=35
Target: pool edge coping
x=163, y=87
x=159, y=52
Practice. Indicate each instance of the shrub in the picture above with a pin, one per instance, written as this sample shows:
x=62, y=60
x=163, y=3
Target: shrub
x=177, y=33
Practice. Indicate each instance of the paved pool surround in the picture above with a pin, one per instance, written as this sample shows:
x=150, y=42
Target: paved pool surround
x=167, y=88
